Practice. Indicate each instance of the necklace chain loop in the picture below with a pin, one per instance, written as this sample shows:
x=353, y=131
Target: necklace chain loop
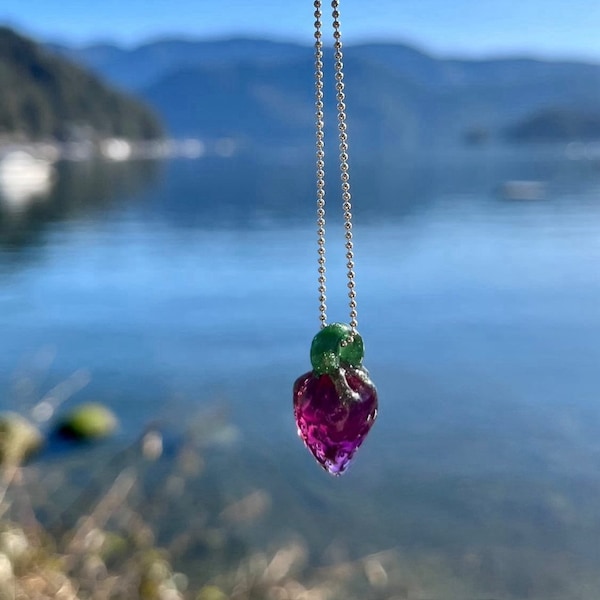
x=343, y=162
x=320, y=134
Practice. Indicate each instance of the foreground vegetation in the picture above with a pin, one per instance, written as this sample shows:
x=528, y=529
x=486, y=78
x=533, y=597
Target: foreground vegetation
x=157, y=522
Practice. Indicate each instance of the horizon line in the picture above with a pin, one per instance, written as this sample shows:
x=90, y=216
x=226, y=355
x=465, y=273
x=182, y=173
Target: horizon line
x=420, y=47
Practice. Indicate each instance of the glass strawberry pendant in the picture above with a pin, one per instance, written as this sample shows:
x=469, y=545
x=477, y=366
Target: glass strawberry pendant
x=335, y=404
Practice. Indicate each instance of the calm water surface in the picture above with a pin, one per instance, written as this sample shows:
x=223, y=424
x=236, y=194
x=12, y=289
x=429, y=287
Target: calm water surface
x=177, y=286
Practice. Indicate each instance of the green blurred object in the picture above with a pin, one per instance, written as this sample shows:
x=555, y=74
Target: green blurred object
x=211, y=592
x=88, y=422
x=327, y=353
x=19, y=439
x=114, y=547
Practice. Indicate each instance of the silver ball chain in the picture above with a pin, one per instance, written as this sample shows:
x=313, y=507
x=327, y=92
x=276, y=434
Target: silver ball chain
x=343, y=160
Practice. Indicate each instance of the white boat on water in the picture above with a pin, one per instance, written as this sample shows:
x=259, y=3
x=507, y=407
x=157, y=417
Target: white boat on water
x=523, y=190
x=23, y=177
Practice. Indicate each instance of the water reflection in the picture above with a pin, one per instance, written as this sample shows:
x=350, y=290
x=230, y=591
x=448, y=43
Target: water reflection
x=247, y=193
x=65, y=191
x=23, y=179
x=250, y=193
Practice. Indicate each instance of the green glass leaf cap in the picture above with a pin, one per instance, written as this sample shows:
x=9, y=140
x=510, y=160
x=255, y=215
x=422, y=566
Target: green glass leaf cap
x=327, y=354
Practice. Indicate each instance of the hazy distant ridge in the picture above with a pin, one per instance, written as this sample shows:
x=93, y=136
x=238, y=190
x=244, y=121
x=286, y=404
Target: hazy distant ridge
x=399, y=97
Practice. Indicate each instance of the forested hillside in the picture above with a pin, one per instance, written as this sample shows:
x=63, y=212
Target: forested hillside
x=46, y=96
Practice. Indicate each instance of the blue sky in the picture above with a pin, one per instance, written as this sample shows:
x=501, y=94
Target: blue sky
x=460, y=27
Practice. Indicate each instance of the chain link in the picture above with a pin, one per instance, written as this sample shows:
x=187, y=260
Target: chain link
x=343, y=160
x=344, y=170
x=320, y=135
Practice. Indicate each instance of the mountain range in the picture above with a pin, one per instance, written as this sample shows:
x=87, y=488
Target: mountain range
x=260, y=93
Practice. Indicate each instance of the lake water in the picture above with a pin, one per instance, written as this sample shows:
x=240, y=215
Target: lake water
x=170, y=288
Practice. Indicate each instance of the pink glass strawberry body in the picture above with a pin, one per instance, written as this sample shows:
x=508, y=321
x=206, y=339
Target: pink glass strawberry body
x=335, y=404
